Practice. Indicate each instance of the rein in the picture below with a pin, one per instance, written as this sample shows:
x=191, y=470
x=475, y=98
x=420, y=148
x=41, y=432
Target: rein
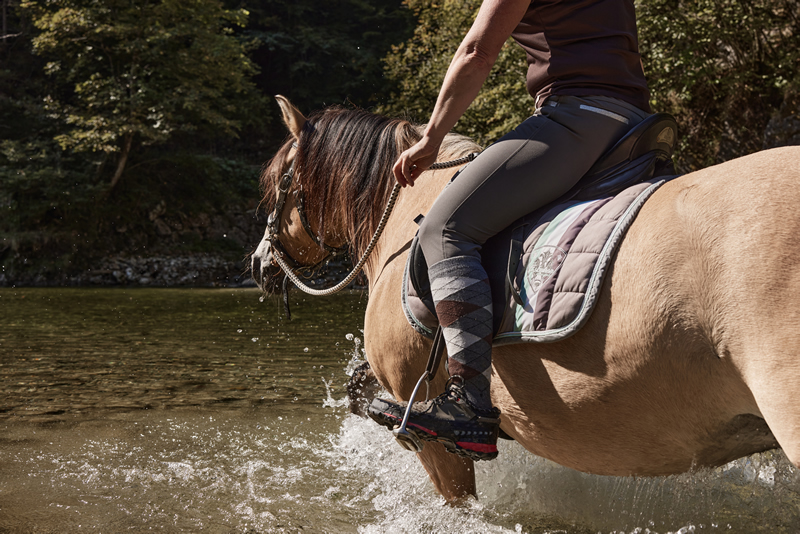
x=288, y=264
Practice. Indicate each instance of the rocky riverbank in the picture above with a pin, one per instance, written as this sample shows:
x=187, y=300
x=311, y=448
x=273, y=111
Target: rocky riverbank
x=160, y=271
x=167, y=249
x=196, y=270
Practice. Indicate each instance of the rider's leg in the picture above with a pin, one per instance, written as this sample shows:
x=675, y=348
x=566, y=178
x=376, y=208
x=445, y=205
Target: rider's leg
x=534, y=164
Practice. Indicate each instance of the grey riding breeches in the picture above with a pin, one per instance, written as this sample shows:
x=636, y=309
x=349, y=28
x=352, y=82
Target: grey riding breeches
x=534, y=164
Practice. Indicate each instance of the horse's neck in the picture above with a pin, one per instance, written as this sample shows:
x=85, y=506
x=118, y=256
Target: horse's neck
x=400, y=228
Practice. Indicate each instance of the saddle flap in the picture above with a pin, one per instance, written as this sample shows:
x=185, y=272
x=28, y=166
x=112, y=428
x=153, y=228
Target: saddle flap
x=418, y=272
x=644, y=152
x=620, y=177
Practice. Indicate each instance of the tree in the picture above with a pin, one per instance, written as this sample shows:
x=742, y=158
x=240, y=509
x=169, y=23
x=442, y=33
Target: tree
x=141, y=71
x=322, y=53
x=328, y=52
x=722, y=67
x=419, y=64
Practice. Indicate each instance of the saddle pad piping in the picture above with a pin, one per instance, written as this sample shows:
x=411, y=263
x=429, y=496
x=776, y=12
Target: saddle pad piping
x=595, y=282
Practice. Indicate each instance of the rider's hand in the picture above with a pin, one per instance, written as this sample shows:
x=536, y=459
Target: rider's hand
x=415, y=161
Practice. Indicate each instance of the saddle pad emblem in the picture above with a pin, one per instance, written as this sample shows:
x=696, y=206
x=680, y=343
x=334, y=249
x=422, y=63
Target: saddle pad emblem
x=544, y=263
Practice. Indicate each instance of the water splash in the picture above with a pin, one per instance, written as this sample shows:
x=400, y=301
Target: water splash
x=330, y=401
x=520, y=492
x=303, y=467
x=358, y=354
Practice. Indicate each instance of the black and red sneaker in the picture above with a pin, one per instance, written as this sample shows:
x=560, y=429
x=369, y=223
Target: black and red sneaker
x=448, y=419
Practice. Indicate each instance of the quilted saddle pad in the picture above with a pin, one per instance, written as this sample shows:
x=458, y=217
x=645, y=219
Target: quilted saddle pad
x=555, y=267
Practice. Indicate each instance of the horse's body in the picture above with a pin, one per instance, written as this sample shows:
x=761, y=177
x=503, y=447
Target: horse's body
x=689, y=359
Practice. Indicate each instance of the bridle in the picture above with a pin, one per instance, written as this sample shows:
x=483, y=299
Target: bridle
x=289, y=264
x=273, y=221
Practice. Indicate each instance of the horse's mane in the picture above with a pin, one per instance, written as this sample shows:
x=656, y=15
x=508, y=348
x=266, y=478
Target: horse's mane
x=344, y=166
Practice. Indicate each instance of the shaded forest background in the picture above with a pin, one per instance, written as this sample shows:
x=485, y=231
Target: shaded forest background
x=137, y=128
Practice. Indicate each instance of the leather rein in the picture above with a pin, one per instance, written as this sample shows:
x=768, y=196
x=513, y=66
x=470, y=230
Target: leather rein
x=288, y=264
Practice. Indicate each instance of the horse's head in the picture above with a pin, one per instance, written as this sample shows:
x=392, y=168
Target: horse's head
x=326, y=186
x=289, y=232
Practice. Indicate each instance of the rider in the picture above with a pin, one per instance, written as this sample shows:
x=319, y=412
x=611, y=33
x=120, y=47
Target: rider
x=586, y=75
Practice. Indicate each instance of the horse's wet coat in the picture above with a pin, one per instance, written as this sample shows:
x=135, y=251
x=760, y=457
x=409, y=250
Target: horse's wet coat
x=689, y=359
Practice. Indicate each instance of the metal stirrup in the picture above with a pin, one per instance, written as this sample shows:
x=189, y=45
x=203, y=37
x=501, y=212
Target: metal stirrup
x=406, y=439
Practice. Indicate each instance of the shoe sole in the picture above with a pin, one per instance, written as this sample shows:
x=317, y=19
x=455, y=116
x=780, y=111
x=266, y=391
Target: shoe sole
x=461, y=448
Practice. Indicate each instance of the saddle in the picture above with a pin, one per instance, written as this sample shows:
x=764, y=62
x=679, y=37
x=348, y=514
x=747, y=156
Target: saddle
x=526, y=260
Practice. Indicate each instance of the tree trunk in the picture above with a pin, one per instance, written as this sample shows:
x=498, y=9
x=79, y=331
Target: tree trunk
x=123, y=159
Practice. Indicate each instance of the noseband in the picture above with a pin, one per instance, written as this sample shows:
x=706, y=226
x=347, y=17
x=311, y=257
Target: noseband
x=273, y=222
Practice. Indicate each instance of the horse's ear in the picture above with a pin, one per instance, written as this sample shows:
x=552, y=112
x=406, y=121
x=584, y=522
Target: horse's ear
x=292, y=118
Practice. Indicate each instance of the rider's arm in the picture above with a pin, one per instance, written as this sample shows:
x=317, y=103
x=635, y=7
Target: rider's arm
x=468, y=70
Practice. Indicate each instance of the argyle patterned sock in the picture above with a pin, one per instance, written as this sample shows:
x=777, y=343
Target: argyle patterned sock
x=463, y=297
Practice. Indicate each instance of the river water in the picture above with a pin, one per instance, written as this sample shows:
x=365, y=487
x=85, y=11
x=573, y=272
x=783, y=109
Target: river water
x=188, y=410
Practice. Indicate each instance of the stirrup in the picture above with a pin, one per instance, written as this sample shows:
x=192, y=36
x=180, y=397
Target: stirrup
x=409, y=440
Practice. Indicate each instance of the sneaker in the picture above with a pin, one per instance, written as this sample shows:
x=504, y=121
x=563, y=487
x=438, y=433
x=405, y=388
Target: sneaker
x=448, y=419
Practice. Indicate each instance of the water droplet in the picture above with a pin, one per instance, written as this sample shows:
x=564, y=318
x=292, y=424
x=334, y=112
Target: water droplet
x=254, y=339
x=349, y=337
x=239, y=330
x=305, y=349
x=261, y=298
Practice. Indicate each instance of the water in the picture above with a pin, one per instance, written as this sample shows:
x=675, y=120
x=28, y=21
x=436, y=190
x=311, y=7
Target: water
x=206, y=410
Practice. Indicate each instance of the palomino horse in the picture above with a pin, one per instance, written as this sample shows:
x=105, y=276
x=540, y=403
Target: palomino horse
x=690, y=359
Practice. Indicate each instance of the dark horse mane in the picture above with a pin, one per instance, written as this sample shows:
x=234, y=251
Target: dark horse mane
x=344, y=167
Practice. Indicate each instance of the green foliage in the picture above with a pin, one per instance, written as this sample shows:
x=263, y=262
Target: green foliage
x=170, y=93
x=322, y=53
x=174, y=94
x=41, y=186
x=141, y=70
x=721, y=67
x=419, y=64
x=77, y=79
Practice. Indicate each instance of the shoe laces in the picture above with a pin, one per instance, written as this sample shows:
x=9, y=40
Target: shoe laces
x=453, y=390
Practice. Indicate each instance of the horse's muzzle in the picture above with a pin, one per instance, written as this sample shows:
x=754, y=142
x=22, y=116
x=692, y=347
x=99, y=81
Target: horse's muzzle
x=264, y=270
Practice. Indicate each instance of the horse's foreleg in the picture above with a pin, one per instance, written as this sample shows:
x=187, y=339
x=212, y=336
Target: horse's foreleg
x=361, y=389
x=397, y=357
x=452, y=475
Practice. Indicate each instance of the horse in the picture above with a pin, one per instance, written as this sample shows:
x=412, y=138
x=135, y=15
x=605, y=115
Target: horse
x=689, y=360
